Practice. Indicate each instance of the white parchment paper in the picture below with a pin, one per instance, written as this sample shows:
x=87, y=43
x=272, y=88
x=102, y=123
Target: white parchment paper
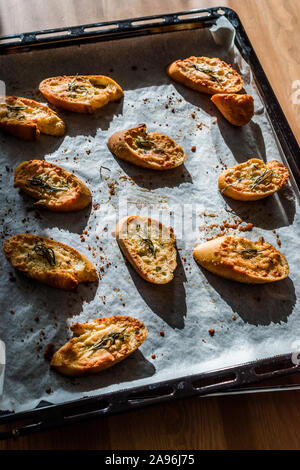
x=250, y=322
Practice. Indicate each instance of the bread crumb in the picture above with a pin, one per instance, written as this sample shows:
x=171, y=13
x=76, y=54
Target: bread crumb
x=49, y=351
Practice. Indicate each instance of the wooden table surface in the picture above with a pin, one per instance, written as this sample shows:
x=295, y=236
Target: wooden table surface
x=252, y=421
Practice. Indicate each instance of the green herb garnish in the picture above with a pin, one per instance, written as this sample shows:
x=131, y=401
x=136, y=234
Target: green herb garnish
x=42, y=183
x=207, y=70
x=77, y=88
x=266, y=174
x=108, y=169
x=232, y=184
x=147, y=144
x=15, y=108
x=149, y=244
x=251, y=251
x=108, y=340
x=48, y=253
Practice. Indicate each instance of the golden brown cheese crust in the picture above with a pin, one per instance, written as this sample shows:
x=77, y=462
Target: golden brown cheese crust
x=149, y=246
x=81, y=93
x=98, y=345
x=49, y=261
x=26, y=119
x=242, y=260
x=55, y=188
x=237, y=109
x=149, y=150
x=207, y=75
x=253, y=179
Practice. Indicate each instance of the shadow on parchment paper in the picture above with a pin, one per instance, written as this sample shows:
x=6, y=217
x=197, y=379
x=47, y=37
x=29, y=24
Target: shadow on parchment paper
x=88, y=124
x=257, y=304
x=135, y=367
x=166, y=300
x=74, y=222
x=43, y=219
x=18, y=150
x=201, y=100
x=244, y=142
x=277, y=210
x=153, y=179
x=62, y=304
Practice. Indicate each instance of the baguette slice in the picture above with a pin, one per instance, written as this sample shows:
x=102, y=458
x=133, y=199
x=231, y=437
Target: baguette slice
x=81, y=93
x=237, y=109
x=49, y=261
x=26, y=119
x=98, y=345
x=152, y=150
x=207, y=75
x=149, y=246
x=54, y=188
x=253, y=179
x=242, y=260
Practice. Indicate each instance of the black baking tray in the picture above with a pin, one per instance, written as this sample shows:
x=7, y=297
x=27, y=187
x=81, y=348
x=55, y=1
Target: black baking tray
x=228, y=380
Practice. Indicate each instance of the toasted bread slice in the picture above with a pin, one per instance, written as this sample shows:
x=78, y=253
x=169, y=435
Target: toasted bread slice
x=237, y=109
x=81, y=93
x=55, y=188
x=26, y=119
x=98, y=345
x=207, y=75
x=49, y=261
x=253, y=179
x=152, y=150
x=149, y=246
x=242, y=260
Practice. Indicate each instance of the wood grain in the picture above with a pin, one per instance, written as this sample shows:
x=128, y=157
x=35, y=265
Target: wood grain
x=253, y=421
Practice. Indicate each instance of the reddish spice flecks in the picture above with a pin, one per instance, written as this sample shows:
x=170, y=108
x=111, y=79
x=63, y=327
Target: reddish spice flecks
x=153, y=356
x=211, y=331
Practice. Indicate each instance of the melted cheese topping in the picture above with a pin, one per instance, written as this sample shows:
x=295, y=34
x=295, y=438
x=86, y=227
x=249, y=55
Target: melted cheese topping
x=257, y=259
x=155, y=148
x=42, y=255
x=154, y=247
x=83, y=90
x=99, y=344
x=254, y=177
x=102, y=339
x=16, y=110
x=213, y=71
x=63, y=259
x=46, y=182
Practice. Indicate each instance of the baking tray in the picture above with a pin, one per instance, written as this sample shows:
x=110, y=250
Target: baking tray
x=237, y=379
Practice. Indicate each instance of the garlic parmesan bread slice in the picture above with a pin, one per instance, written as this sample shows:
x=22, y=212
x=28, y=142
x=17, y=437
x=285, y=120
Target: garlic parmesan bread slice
x=26, y=119
x=149, y=150
x=207, y=75
x=253, y=179
x=149, y=246
x=81, y=93
x=98, y=345
x=242, y=260
x=49, y=261
x=54, y=188
x=237, y=109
